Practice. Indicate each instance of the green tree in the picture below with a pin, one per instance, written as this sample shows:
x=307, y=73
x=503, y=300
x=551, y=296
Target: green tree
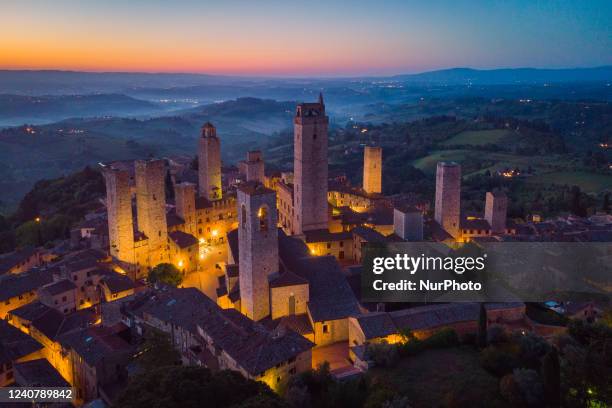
x=180, y=386
x=551, y=375
x=482, y=327
x=157, y=351
x=166, y=273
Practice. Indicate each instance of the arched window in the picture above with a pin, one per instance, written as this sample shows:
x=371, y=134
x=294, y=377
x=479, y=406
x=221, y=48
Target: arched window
x=262, y=215
x=243, y=216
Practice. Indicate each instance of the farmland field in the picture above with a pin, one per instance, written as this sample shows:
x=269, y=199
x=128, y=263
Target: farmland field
x=589, y=182
x=478, y=137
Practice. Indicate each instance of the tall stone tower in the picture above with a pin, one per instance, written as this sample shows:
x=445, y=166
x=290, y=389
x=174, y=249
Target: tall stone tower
x=310, y=167
x=209, y=163
x=372, y=169
x=254, y=166
x=151, y=208
x=496, y=207
x=184, y=195
x=408, y=223
x=119, y=207
x=448, y=197
x=257, y=247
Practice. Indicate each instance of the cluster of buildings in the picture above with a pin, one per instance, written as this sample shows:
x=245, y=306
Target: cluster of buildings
x=285, y=293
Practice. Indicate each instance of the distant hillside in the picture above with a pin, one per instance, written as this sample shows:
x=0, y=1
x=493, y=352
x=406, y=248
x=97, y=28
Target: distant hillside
x=509, y=76
x=18, y=109
x=30, y=153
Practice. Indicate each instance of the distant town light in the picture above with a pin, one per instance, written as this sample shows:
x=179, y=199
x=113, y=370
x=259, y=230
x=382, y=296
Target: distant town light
x=37, y=219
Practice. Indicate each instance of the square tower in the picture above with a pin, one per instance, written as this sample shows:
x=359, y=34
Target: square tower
x=184, y=196
x=151, y=208
x=408, y=223
x=257, y=248
x=448, y=197
x=496, y=207
x=372, y=169
x=253, y=166
x=310, y=167
x=209, y=163
x=119, y=208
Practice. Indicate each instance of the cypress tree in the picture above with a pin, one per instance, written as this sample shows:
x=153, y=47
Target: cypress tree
x=482, y=327
x=551, y=374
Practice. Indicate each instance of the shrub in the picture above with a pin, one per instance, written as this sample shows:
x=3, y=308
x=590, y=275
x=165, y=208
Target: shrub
x=530, y=384
x=441, y=339
x=509, y=389
x=497, y=361
x=496, y=335
x=165, y=273
x=382, y=354
x=532, y=349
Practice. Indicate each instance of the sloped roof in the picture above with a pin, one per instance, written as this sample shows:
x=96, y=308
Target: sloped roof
x=59, y=287
x=94, y=343
x=40, y=372
x=17, y=284
x=331, y=297
x=251, y=344
x=375, y=325
x=14, y=344
x=183, y=239
x=51, y=322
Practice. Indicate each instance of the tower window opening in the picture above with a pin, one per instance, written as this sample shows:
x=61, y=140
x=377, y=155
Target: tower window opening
x=262, y=214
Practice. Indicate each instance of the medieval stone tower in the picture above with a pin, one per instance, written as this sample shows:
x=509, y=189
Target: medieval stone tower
x=257, y=248
x=372, y=169
x=448, y=197
x=496, y=206
x=119, y=206
x=151, y=208
x=209, y=163
x=408, y=223
x=254, y=166
x=184, y=195
x=310, y=167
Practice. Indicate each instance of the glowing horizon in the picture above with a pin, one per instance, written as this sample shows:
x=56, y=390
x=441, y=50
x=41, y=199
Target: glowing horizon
x=315, y=39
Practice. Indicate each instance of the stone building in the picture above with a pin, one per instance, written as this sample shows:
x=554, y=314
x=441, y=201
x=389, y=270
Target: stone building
x=209, y=163
x=119, y=208
x=151, y=208
x=185, y=198
x=310, y=167
x=408, y=223
x=448, y=200
x=496, y=205
x=372, y=170
x=253, y=167
x=258, y=241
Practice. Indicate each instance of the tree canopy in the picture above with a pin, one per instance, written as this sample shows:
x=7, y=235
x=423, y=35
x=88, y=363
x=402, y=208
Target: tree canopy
x=166, y=273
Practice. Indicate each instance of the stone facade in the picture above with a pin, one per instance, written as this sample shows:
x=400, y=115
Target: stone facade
x=209, y=163
x=310, y=167
x=496, y=206
x=119, y=207
x=151, y=208
x=253, y=167
x=184, y=195
x=258, y=248
x=448, y=192
x=288, y=300
x=372, y=170
x=408, y=223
